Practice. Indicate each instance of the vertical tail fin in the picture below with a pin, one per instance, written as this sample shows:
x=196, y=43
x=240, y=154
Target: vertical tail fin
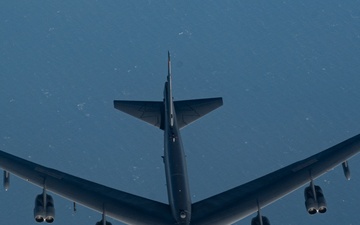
x=169, y=73
x=169, y=66
x=170, y=98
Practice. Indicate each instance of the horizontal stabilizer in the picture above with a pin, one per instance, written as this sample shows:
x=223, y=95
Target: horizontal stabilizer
x=152, y=112
x=187, y=111
x=148, y=111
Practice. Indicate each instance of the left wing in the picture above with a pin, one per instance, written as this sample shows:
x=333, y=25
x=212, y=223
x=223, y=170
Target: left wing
x=117, y=204
x=239, y=202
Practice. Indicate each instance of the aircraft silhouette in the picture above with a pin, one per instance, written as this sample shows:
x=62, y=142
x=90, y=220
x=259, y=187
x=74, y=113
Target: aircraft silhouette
x=224, y=208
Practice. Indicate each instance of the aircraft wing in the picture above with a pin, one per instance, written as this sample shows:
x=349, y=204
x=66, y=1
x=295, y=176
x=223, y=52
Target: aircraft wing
x=224, y=208
x=125, y=207
x=239, y=202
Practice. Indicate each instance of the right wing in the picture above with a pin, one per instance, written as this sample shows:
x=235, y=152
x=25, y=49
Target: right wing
x=125, y=207
x=241, y=201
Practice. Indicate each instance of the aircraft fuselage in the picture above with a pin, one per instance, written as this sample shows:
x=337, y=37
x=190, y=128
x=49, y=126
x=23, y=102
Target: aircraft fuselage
x=175, y=162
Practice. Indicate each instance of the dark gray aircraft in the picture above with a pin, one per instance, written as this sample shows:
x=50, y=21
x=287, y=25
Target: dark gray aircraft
x=224, y=208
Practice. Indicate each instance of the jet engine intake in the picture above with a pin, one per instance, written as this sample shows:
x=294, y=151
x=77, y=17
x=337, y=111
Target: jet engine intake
x=44, y=212
x=315, y=200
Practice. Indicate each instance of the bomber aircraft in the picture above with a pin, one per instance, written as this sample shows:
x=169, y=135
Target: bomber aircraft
x=224, y=208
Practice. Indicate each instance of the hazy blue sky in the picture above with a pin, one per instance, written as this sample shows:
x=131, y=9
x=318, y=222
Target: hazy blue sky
x=288, y=72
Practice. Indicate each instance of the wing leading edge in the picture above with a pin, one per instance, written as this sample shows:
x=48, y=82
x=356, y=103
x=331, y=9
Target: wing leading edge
x=125, y=207
x=239, y=202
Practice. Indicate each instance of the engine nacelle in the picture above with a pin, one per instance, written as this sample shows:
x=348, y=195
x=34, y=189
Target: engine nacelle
x=102, y=222
x=256, y=220
x=310, y=203
x=322, y=206
x=315, y=203
x=44, y=212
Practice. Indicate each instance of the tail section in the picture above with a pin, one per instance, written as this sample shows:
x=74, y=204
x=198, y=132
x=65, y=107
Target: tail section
x=184, y=112
x=152, y=112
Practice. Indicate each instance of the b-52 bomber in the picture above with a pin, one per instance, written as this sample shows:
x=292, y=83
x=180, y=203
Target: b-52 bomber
x=223, y=208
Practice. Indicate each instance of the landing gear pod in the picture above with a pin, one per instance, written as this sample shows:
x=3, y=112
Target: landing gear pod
x=6, y=180
x=345, y=166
